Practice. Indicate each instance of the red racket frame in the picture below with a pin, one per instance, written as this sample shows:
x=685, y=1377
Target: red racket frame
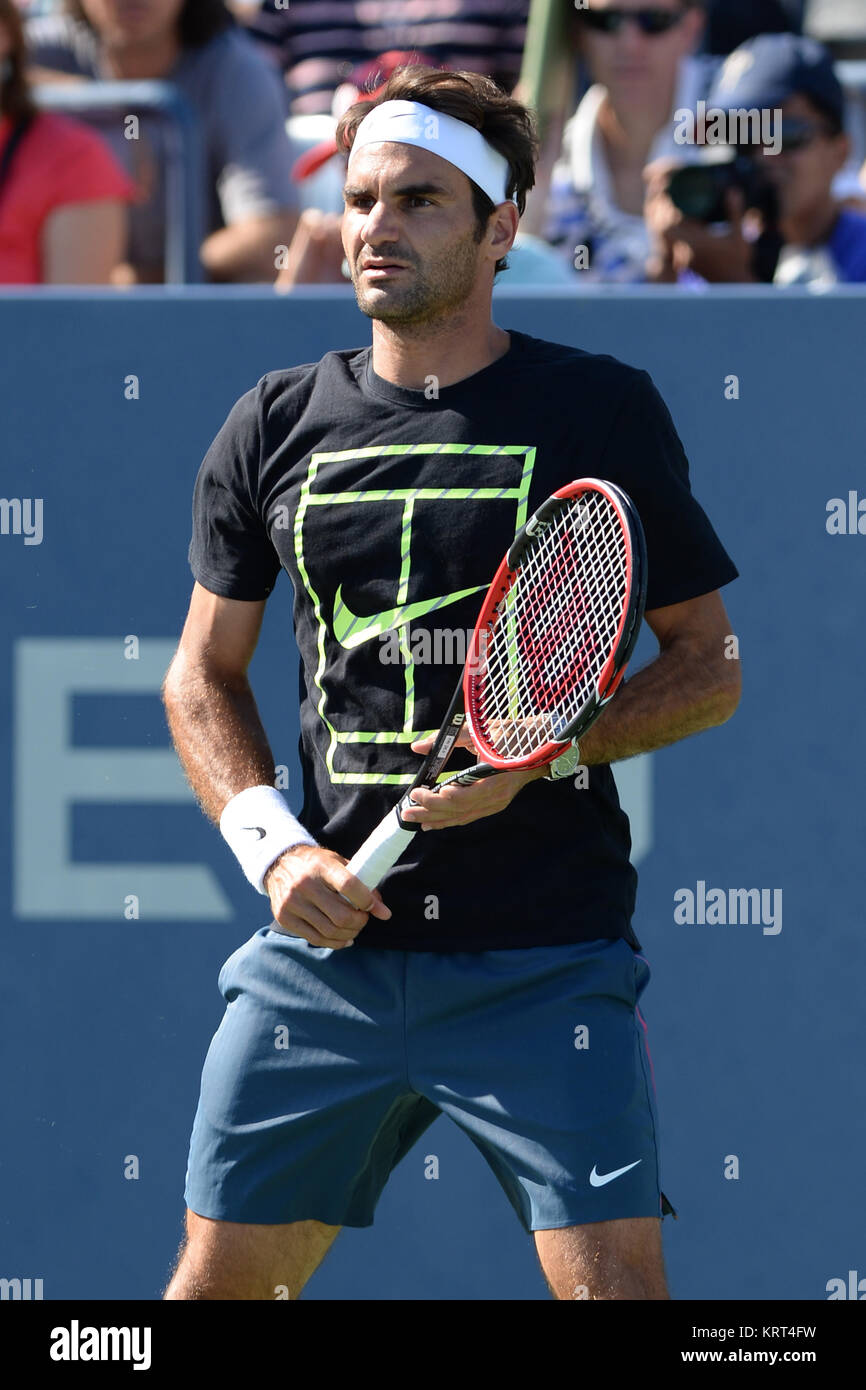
x=614, y=668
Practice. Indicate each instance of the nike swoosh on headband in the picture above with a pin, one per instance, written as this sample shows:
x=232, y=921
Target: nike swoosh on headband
x=351, y=629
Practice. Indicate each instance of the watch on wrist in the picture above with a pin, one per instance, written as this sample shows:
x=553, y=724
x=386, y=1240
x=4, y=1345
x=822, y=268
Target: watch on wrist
x=565, y=765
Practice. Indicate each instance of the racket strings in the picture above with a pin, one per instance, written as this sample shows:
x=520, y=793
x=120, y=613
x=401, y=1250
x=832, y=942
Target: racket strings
x=554, y=630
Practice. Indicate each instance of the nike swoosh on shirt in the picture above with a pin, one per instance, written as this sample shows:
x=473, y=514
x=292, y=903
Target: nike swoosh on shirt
x=599, y=1179
x=351, y=629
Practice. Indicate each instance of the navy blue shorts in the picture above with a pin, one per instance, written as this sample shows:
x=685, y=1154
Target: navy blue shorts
x=328, y=1066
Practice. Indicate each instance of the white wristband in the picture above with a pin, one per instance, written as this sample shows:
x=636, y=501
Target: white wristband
x=258, y=826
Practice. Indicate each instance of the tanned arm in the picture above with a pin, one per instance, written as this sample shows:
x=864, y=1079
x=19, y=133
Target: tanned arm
x=209, y=704
x=219, y=738
x=246, y=251
x=689, y=686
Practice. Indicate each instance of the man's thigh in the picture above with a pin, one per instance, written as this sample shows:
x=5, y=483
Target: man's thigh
x=233, y=1260
x=604, y=1260
x=304, y=1107
x=539, y=1056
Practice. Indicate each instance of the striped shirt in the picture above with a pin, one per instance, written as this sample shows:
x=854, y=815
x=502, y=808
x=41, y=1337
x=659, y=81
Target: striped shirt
x=317, y=43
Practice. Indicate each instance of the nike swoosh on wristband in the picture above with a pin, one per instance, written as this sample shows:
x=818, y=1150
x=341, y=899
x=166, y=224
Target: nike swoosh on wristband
x=351, y=629
x=597, y=1179
x=260, y=829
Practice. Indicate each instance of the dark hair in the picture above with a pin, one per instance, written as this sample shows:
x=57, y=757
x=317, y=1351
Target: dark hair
x=15, y=98
x=505, y=123
x=198, y=22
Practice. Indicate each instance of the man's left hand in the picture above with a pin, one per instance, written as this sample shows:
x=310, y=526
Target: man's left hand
x=457, y=805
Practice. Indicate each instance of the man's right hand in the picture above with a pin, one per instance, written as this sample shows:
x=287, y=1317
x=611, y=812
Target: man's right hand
x=315, y=254
x=308, y=887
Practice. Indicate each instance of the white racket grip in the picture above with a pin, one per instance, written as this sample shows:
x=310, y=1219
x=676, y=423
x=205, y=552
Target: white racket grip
x=380, y=851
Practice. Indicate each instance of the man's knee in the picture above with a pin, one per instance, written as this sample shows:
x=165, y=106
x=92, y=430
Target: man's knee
x=604, y=1260
x=236, y=1261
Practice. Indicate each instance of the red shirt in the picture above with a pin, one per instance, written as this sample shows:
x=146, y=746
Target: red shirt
x=58, y=161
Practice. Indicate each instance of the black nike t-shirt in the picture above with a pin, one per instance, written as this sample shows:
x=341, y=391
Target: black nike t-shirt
x=390, y=510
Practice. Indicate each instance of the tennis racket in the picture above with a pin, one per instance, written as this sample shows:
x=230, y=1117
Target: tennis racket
x=550, y=648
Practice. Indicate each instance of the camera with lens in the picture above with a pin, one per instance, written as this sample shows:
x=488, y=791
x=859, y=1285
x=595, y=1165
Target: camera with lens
x=700, y=190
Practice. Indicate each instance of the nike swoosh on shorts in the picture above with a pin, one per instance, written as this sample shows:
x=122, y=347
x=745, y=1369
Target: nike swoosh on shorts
x=597, y=1179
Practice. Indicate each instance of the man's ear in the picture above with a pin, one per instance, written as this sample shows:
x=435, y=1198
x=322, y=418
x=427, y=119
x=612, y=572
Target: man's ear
x=505, y=222
x=693, y=27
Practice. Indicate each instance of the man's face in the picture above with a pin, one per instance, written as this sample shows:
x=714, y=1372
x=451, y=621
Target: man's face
x=810, y=157
x=132, y=21
x=409, y=206
x=636, y=67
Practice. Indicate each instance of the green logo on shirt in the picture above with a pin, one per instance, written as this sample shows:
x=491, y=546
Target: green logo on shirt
x=444, y=475
x=351, y=630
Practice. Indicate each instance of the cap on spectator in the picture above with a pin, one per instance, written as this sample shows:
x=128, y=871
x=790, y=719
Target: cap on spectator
x=375, y=69
x=767, y=70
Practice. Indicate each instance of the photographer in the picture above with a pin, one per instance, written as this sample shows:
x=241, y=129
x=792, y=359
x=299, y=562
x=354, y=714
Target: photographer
x=768, y=213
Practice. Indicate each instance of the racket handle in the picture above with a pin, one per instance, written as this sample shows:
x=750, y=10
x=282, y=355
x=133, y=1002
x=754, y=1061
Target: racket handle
x=380, y=851
x=468, y=777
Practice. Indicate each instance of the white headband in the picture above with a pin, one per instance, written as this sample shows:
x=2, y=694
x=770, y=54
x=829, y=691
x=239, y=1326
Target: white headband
x=411, y=123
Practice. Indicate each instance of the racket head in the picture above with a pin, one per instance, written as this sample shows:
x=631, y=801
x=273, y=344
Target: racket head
x=558, y=626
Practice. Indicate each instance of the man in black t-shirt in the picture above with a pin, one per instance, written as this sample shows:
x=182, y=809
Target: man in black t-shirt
x=499, y=977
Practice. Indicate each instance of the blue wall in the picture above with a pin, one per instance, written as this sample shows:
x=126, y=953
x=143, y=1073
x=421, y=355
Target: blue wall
x=756, y=1036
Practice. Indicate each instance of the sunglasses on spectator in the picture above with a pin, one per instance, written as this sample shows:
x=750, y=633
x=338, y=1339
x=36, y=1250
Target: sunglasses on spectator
x=797, y=134
x=650, y=21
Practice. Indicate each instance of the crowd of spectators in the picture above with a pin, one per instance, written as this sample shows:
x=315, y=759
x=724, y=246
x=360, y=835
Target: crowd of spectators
x=623, y=195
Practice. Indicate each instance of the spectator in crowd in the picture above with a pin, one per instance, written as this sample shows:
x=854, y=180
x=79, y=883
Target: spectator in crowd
x=63, y=196
x=786, y=196
x=640, y=60
x=317, y=43
x=731, y=23
x=249, y=202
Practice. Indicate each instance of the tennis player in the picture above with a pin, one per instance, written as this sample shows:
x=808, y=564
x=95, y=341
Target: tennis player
x=496, y=978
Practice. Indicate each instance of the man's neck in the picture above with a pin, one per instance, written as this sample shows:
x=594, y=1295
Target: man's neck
x=629, y=135
x=431, y=357
x=142, y=61
x=627, y=138
x=812, y=227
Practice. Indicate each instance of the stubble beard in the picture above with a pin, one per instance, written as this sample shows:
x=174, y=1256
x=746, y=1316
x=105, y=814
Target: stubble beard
x=431, y=294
